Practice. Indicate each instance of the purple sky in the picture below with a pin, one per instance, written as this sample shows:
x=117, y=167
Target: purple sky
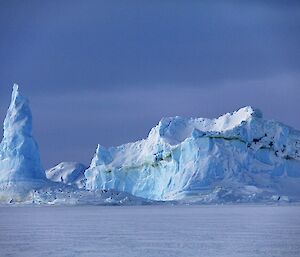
x=107, y=71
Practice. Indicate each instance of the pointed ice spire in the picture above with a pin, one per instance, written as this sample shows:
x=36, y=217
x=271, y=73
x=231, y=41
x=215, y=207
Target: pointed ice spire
x=19, y=154
x=18, y=118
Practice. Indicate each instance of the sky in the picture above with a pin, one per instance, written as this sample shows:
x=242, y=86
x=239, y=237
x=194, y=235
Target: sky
x=107, y=71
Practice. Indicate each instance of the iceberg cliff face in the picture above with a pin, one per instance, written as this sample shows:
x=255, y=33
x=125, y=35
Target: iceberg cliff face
x=238, y=156
x=19, y=154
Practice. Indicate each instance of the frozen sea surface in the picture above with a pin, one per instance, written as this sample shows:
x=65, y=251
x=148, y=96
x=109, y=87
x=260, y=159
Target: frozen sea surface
x=150, y=231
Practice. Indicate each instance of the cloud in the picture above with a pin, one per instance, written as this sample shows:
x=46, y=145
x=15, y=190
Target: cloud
x=106, y=72
x=72, y=47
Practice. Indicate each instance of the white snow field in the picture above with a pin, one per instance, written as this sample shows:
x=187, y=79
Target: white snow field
x=150, y=231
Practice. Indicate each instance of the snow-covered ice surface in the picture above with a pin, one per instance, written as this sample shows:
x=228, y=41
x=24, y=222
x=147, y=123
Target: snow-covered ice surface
x=69, y=173
x=147, y=231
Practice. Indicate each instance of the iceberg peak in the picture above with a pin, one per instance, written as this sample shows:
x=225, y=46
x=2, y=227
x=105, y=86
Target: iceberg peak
x=19, y=154
x=15, y=90
x=102, y=156
x=18, y=118
x=231, y=120
x=246, y=112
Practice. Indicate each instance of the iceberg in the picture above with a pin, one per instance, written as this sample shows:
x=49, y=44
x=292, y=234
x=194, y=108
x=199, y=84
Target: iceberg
x=239, y=156
x=69, y=173
x=20, y=165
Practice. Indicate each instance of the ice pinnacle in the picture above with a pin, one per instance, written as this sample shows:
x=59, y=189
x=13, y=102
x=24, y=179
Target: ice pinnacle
x=19, y=153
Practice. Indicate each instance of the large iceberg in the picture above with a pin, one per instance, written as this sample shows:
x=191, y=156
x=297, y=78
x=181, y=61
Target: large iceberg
x=20, y=164
x=239, y=156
